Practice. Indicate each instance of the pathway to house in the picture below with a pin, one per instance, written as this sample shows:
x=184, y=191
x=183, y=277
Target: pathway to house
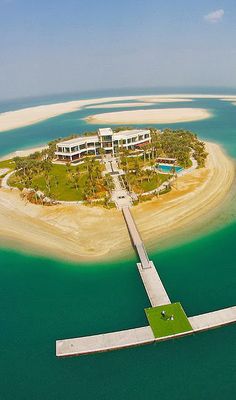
x=120, y=196
x=155, y=290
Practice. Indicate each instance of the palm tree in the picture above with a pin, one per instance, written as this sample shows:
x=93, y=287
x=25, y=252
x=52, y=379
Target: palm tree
x=102, y=152
x=75, y=178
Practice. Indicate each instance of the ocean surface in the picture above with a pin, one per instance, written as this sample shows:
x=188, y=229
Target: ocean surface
x=42, y=300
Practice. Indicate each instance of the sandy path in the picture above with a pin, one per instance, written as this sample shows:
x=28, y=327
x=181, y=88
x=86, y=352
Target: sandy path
x=84, y=233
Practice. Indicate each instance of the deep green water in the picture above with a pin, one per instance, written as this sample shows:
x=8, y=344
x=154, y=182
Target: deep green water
x=43, y=300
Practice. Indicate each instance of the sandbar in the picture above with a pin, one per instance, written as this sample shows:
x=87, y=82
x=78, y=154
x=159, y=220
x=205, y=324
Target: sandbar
x=32, y=115
x=157, y=99
x=122, y=105
x=84, y=234
x=153, y=116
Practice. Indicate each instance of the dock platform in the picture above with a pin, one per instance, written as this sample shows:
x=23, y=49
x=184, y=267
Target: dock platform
x=152, y=282
x=104, y=342
x=136, y=238
x=153, y=285
x=157, y=296
x=140, y=336
x=213, y=319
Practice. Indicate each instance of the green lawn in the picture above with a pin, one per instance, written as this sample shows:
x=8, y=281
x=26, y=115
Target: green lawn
x=7, y=164
x=154, y=182
x=61, y=184
x=162, y=325
x=146, y=183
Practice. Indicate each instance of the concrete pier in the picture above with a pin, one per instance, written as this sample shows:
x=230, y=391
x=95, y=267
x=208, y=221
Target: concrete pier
x=157, y=296
x=140, y=336
x=136, y=238
x=213, y=319
x=104, y=342
x=154, y=287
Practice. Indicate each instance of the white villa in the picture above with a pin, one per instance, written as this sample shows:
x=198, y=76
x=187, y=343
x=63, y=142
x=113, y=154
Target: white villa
x=74, y=149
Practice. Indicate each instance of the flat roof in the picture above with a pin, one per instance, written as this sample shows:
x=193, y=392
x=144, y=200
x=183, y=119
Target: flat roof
x=130, y=132
x=102, y=132
x=78, y=140
x=105, y=131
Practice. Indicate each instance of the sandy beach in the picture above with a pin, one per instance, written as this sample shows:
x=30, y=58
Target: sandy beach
x=122, y=105
x=23, y=153
x=154, y=116
x=81, y=233
x=32, y=115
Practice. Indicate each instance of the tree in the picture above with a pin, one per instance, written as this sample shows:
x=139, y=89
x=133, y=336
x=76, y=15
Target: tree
x=75, y=179
x=102, y=152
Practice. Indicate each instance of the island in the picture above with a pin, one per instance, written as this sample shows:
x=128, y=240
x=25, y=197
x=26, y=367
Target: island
x=70, y=209
x=108, y=167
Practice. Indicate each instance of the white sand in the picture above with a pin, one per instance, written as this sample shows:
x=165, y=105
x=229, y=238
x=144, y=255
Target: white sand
x=157, y=99
x=23, y=153
x=123, y=105
x=154, y=116
x=32, y=115
x=83, y=233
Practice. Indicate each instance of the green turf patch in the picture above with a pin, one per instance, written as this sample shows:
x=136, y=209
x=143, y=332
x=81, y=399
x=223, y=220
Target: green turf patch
x=168, y=319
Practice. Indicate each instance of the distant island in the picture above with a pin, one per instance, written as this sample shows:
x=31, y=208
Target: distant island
x=96, y=167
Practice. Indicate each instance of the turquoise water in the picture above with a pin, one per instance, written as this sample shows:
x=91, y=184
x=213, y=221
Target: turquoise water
x=168, y=168
x=42, y=300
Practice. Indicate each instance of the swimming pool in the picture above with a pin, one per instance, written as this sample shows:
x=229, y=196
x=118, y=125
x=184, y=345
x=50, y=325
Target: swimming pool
x=168, y=168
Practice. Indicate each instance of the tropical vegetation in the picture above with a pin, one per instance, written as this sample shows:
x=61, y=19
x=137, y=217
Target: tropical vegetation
x=87, y=181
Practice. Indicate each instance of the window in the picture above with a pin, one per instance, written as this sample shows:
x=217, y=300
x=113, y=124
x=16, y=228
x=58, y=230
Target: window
x=75, y=148
x=106, y=138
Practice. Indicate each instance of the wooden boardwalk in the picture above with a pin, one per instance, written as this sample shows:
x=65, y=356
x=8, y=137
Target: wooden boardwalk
x=140, y=336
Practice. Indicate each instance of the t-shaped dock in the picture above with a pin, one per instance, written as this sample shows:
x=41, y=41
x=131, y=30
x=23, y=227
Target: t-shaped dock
x=173, y=326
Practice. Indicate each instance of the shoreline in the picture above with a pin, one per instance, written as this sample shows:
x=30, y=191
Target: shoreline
x=88, y=234
x=23, y=153
x=32, y=115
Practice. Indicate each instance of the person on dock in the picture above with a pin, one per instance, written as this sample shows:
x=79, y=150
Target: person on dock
x=163, y=313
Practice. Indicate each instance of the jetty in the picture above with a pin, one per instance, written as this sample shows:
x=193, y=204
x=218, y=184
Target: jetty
x=166, y=320
x=152, y=282
x=140, y=336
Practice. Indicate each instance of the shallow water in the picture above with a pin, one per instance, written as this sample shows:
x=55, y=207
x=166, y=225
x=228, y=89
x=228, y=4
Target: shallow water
x=42, y=300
